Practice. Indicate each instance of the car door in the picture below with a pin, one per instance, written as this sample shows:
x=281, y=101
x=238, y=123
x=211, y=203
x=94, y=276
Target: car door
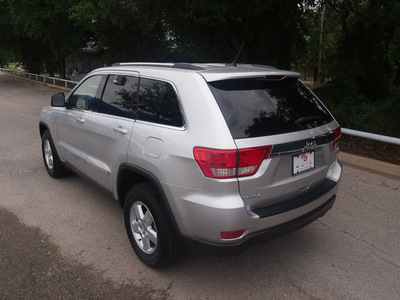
x=111, y=128
x=73, y=123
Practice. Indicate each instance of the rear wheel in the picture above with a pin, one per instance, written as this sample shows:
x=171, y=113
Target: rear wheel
x=53, y=164
x=148, y=228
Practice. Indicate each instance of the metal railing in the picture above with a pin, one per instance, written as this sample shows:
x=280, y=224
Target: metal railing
x=41, y=78
x=372, y=136
x=71, y=84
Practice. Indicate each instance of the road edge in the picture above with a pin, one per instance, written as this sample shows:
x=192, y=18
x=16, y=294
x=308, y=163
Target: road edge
x=39, y=82
x=376, y=166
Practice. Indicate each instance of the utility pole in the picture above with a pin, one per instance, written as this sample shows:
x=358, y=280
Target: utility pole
x=320, y=44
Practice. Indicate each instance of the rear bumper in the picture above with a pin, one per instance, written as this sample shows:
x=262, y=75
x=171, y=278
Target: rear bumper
x=202, y=217
x=262, y=235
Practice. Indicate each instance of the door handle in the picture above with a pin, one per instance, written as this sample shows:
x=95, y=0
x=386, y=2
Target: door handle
x=80, y=120
x=120, y=130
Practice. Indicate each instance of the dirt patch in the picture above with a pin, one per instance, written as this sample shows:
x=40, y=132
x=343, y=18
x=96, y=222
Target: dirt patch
x=33, y=268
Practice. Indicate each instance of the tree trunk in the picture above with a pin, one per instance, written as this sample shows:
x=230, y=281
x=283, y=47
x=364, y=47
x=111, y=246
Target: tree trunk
x=61, y=69
x=315, y=75
x=321, y=35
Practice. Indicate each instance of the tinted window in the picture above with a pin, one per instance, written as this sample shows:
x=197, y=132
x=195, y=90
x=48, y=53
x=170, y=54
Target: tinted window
x=84, y=97
x=118, y=96
x=259, y=107
x=158, y=103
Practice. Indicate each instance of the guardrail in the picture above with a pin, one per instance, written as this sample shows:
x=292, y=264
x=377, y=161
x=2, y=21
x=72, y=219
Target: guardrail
x=372, y=136
x=46, y=79
x=41, y=78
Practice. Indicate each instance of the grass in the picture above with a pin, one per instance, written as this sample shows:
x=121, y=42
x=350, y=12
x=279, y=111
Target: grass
x=15, y=69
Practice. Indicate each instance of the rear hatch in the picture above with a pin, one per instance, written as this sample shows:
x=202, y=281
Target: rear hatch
x=280, y=112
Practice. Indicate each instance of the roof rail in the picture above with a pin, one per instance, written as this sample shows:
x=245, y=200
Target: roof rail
x=184, y=66
x=142, y=64
x=187, y=66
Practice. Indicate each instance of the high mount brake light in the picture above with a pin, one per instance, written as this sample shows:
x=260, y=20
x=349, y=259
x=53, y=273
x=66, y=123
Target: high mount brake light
x=230, y=163
x=337, y=133
x=275, y=77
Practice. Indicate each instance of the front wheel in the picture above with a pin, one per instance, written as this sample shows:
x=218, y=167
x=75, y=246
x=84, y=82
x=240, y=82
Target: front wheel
x=148, y=228
x=53, y=164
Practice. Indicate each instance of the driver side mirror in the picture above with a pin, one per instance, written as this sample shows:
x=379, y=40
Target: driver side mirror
x=58, y=100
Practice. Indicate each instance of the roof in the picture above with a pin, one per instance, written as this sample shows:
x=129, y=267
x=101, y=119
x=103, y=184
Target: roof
x=215, y=71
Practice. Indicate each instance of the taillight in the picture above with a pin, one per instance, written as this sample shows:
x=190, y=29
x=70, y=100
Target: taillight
x=216, y=163
x=337, y=133
x=230, y=163
x=251, y=159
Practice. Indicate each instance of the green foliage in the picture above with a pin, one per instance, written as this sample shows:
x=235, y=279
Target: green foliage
x=359, y=112
x=362, y=61
x=41, y=31
x=394, y=62
x=367, y=48
x=360, y=46
x=124, y=30
x=194, y=30
x=214, y=30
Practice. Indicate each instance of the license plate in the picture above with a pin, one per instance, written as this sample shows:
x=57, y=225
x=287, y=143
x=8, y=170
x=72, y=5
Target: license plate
x=303, y=162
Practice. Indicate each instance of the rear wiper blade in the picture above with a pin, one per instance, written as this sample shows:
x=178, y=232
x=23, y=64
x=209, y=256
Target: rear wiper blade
x=300, y=122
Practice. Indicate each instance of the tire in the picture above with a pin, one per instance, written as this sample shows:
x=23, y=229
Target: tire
x=148, y=227
x=52, y=162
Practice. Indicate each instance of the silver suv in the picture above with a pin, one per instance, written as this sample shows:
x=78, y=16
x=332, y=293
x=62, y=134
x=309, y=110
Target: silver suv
x=220, y=155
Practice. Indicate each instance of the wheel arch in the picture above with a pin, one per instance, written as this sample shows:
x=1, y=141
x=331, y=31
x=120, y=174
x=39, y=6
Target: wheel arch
x=129, y=175
x=42, y=128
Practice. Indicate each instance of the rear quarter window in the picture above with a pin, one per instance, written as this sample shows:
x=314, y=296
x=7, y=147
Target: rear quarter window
x=158, y=103
x=257, y=107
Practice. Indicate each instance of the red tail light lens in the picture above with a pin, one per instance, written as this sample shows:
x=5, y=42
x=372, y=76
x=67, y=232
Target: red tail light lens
x=251, y=159
x=230, y=163
x=228, y=235
x=337, y=133
x=216, y=163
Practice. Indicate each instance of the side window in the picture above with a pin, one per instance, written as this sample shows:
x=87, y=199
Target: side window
x=84, y=97
x=158, y=103
x=118, y=96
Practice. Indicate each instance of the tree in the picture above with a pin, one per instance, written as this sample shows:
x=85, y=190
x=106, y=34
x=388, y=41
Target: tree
x=6, y=35
x=46, y=25
x=182, y=30
x=366, y=55
x=163, y=30
x=124, y=30
x=363, y=67
x=214, y=30
x=320, y=34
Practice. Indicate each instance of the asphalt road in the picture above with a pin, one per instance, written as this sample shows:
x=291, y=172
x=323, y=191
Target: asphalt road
x=65, y=239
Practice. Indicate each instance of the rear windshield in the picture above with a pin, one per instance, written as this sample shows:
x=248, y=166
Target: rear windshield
x=257, y=107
